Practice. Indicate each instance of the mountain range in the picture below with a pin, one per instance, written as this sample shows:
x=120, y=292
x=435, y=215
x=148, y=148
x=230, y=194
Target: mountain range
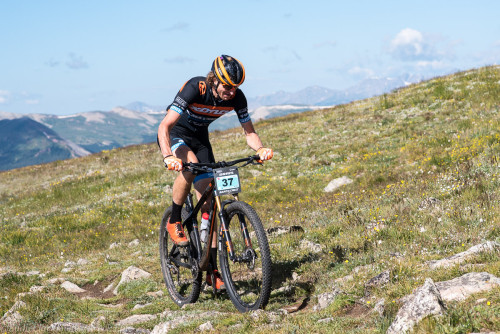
x=39, y=138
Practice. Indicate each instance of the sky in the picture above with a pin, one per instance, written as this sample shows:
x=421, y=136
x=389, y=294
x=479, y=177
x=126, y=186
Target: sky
x=66, y=57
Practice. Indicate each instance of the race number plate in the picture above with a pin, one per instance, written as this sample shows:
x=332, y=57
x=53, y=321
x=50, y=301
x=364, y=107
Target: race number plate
x=227, y=181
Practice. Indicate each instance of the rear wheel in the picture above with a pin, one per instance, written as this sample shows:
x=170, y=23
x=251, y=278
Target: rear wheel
x=178, y=265
x=247, y=277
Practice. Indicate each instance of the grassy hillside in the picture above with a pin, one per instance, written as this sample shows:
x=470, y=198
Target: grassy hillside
x=439, y=139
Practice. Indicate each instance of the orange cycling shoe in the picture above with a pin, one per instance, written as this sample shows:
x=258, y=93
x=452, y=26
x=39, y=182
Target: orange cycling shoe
x=176, y=233
x=219, y=283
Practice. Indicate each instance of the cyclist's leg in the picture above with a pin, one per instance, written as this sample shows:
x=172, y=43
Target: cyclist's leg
x=181, y=188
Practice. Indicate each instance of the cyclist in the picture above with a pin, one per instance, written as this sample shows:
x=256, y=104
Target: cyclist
x=183, y=136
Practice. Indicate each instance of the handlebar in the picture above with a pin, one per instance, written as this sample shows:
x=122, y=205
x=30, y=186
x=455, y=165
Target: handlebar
x=200, y=168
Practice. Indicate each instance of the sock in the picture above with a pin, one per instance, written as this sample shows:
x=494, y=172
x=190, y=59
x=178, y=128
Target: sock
x=213, y=258
x=176, y=213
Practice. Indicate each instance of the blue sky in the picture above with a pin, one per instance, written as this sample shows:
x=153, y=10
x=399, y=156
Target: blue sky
x=65, y=57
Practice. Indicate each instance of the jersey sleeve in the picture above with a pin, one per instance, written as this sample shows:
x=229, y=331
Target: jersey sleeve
x=241, y=108
x=186, y=95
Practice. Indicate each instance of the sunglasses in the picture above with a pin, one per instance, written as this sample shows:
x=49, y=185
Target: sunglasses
x=229, y=87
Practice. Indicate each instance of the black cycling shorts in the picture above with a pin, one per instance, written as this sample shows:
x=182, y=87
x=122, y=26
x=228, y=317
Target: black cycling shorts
x=198, y=142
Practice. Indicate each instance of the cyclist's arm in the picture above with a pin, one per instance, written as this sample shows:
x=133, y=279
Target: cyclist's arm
x=164, y=131
x=252, y=137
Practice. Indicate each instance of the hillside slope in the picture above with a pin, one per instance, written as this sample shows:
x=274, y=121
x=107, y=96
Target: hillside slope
x=424, y=164
x=24, y=141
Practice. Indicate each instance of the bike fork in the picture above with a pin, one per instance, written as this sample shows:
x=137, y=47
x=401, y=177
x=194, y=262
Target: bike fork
x=224, y=229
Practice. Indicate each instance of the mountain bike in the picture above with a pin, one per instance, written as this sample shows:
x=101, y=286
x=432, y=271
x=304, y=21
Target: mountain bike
x=242, y=245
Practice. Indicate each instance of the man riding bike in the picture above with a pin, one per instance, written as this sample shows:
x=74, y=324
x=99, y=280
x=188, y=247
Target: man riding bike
x=183, y=136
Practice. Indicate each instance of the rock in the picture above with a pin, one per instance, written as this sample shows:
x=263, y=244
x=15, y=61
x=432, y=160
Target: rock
x=310, y=246
x=114, y=245
x=70, y=327
x=462, y=287
x=136, y=319
x=207, y=326
x=379, y=281
x=424, y=301
x=130, y=274
x=278, y=230
x=429, y=203
x=461, y=257
x=325, y=299
x=12, y=317
x=337, y=183
x=132, y=330
x=71, y=287
x=134, y=243
x=181, y=319
x=379, y=307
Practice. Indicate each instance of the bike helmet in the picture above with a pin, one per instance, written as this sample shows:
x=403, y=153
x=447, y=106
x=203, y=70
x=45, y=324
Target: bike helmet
x=228, y=70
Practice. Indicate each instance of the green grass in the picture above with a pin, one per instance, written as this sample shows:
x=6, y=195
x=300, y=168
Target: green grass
x=439, y=138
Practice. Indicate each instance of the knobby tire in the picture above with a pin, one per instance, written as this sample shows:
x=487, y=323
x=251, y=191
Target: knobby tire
x=182, y=286
x=248, y=288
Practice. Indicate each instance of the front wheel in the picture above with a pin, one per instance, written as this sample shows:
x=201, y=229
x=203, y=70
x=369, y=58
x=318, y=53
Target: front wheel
x=247, y=277
x=179, y=265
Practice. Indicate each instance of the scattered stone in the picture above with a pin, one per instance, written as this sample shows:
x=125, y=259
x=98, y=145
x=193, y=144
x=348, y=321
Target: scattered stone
x=109, y=287
x=57, y=280
x=379, y=307
x=139, y=306
x=424, y=301
x=82, y=262
x=114, y=245
x=207, y=326
x=379, y=281
x=462, y=287
x=12, y=317
x=279, y=230
x=98, y=322
x=326, y=320
x=310, y=246
x=70, y=327
x=134, y=243
x=429, y=203
x=136, y=319
x=488, y=246
x=181, y=320
x=132, y=330
x=337, y=183
x=325, y=299
x=71, y=287
x=130, y=274
x=157, y=294
x=37, y=289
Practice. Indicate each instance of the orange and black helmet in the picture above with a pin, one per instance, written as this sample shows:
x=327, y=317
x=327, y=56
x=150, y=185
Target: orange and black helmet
x=228, y=70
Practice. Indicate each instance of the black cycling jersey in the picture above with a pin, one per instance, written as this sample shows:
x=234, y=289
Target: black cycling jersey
x=198, y=106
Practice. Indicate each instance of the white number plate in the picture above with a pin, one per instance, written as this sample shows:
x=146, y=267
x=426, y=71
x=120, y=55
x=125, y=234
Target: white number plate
x=227, y=181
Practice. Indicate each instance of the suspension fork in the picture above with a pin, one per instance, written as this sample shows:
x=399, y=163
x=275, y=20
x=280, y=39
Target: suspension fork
x=224, y=229
x=243, y=226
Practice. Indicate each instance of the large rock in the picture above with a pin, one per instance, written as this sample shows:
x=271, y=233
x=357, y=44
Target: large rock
x=424, y=301
x=130, y=274
x=135, y=319
x=337, y=183
x=464, y=256
x=462, y=287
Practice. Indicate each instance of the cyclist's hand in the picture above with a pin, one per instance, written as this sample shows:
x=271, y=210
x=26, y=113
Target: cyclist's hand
x=265, y=153
x=173, y=163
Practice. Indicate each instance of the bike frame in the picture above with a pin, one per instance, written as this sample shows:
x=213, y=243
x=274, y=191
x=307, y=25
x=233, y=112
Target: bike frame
x=217, y=206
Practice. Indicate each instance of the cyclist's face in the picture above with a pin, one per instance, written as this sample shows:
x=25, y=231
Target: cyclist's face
x=226, y=92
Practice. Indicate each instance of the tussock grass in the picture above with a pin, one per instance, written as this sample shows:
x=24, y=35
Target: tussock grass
x=438, y=139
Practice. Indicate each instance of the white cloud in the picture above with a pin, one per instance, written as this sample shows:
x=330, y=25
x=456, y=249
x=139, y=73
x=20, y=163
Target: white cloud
x=32, y=102
x=4, y=96
x=179, y=26
x=412, y=45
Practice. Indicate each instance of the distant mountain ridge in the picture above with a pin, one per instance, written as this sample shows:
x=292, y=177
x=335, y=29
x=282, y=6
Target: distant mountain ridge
x=24, y=142
x=137, y=122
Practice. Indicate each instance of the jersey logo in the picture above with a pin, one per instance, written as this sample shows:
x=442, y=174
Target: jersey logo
x=203, y=87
